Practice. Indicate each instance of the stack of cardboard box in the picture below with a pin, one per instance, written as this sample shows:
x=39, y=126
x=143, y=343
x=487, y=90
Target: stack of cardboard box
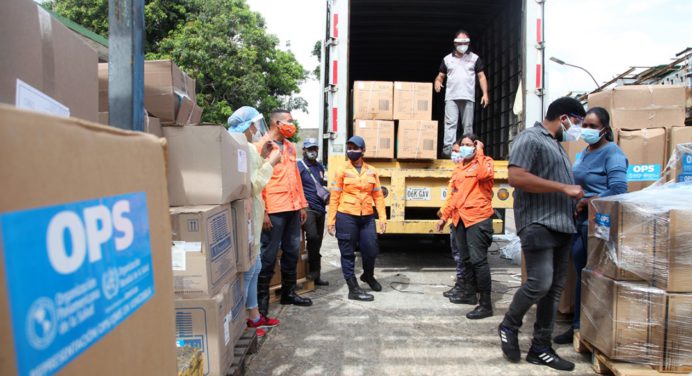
x=209, y=191
x=169, y=95
x=647, y=120
x=383, y=109
x=637, y=288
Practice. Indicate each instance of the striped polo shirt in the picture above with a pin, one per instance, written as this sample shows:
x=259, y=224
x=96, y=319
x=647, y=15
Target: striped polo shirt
x=538, y=152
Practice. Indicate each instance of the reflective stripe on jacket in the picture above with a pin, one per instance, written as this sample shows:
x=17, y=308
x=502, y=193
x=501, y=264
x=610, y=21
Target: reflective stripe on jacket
x=355, y=193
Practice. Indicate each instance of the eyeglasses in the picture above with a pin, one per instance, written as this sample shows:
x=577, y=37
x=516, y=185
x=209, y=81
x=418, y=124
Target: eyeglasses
x=580, y=118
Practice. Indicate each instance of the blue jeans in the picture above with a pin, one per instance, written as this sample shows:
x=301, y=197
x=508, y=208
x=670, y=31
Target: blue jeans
x=250, y=279
x=285, y=233
x=579, y=257
x=547, y=259
x=354, y=231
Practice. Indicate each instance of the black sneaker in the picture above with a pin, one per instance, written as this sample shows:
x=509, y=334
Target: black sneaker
x=565, y=338
x=549, y=358
x=510, y=343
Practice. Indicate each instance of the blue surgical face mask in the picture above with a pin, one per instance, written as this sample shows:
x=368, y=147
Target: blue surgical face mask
x=456, y=157
x=467, y=151
x=591, y=136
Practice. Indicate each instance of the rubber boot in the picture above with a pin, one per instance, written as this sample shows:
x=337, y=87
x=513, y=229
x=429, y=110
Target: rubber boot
x=484, y=308
x=457, y=289
x=468, y=295
x=357, y=293
x=369, y=278
x=263, y=294
x=288, y=293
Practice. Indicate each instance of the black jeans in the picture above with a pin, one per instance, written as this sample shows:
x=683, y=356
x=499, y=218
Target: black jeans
x=354, y=231
x=579, y=256
x=547, y=258
x=285, y=233
x=473, y=243
x=314, y=232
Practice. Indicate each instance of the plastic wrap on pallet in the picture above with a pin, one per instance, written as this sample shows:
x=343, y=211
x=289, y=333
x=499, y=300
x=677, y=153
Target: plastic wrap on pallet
x=634, y=322
x=679, y=167
x=644, y=236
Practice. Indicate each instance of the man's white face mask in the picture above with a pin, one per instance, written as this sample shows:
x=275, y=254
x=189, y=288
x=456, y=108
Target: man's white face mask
x=462, y=48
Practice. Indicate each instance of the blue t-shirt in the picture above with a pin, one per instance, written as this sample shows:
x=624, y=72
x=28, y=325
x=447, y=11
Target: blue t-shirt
x=602, y=172
x=309, y=189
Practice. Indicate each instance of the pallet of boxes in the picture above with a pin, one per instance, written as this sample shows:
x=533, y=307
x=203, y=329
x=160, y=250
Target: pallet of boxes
x=209, y=211
x=383, y=109
x=647, y=122
x=637, y=285
x=86, y=286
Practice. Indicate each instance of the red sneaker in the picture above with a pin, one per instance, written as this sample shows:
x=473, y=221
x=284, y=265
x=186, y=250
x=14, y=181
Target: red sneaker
x=268, y=322
x=254, y=325
x=260, y=332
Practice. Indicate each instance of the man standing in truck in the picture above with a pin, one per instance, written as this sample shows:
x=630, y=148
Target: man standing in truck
x=461, y=67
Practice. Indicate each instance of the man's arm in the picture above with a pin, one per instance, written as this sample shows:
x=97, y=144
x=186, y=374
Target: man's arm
x=528, y=182
x=438, y=82
x=483, y=81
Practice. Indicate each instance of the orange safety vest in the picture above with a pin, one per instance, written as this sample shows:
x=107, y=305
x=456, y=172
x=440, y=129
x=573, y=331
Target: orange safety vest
x=284, y=191
x=354, y=193
x=470, y=192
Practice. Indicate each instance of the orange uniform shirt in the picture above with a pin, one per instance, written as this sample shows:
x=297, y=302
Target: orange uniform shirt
x=284, y=192
x=354, y=193
x=470, y=192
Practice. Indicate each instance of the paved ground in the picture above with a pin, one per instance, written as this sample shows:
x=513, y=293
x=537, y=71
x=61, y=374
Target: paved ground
x=410, y=329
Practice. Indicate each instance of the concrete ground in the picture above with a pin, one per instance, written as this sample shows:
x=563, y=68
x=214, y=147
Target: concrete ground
x=410, y=329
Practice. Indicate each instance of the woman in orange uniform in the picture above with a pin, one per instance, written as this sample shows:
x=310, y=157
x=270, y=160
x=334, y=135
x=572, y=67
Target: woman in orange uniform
x=469, y=207
x=356, y=187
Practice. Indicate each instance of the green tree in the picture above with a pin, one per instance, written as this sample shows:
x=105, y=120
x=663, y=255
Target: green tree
x=317, y=52
x=221, y=43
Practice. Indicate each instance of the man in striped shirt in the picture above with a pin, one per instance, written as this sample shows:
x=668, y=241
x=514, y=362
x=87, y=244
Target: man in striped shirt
x=544, y=207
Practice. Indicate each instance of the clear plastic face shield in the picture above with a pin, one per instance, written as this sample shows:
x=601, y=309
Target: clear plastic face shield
x=260, y=128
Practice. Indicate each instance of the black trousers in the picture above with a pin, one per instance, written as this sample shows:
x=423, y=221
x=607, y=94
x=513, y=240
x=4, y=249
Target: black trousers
x=473, y=243
x=314, y=233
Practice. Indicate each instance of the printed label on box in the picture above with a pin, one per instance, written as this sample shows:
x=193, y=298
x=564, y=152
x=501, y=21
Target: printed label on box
x=29, y=98
x=94, y=262
x=178, y=258
x=685, y=178
x=602, y=230
x=643, y=172
x=242, y=161
x=687, y=163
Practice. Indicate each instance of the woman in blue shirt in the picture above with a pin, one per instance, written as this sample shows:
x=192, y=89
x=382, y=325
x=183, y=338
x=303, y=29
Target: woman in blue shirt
x=601, y=170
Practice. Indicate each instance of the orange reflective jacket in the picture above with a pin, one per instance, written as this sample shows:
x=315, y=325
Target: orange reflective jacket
x=284, y=192
x=355, y=192
x=470, y=192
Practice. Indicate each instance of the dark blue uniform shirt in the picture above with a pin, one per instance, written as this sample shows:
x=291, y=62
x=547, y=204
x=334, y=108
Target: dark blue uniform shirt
x=309, y=188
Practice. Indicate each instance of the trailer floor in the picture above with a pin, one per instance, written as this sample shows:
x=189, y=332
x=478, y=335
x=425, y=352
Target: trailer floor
x=410, y=329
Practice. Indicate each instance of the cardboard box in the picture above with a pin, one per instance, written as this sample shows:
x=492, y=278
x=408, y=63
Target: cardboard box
x=152, y=125
x=574, y=149
x=166, y=88
x=242, y=233
x=643, y=106
x=616, y=318
x=646, y=151
x=42, y=52
x=672, y=256
x=675, y=336
x=681, y=168
x=417, y=139
x=205, y=323
x=111, y=173
x=637, y=323
x=413, y=100
x=204, y=258
x=373, y=100
x=378, y=136
x=621, y=241
x=206, y=165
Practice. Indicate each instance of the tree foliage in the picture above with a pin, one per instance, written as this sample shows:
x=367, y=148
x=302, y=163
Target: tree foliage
x=221, y=43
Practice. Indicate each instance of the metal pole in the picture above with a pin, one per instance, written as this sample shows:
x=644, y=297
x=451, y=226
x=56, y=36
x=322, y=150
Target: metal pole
x=126, y=64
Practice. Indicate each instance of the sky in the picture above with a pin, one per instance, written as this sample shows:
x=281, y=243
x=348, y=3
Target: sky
x=605, y=37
